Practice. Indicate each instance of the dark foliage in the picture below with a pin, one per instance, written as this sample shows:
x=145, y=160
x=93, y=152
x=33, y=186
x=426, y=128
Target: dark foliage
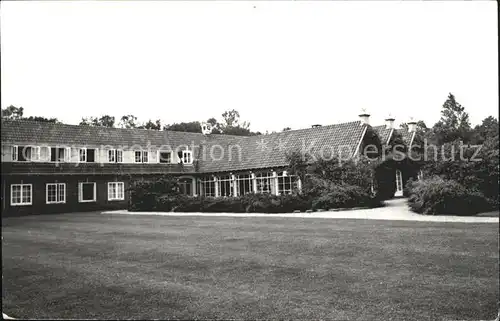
x=440, y=196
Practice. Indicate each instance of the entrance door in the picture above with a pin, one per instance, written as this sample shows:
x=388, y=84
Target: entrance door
x=399, y=183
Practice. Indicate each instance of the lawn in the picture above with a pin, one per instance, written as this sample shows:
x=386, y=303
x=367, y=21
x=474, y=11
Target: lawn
x=88, y=265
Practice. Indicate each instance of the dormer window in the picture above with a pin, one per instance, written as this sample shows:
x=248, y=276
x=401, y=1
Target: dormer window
x=25, y=153
x=187, y=157
x=165, y=157
x=141, y=156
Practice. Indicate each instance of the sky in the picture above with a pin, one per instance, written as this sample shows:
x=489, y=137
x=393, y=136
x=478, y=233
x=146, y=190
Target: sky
x=280, y=64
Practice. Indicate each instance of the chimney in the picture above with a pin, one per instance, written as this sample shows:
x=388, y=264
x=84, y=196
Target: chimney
x=316, y=126
x=412, y=125
x=364, y=117
x=389, y=122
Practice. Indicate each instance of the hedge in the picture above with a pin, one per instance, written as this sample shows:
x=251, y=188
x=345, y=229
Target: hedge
x=162, y=195
x=441, y=196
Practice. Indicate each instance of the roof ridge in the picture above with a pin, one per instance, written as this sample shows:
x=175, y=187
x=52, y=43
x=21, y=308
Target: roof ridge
x=311, y=128
x=118, y=128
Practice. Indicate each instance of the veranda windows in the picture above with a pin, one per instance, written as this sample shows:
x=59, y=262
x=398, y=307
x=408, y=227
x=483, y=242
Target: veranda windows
x=207, y=187
x=225, y=184
x=287, y=184
x=244, y=184
x=264, y=182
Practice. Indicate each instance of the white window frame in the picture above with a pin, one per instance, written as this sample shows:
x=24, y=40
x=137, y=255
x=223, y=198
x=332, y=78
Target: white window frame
x=185, y=153
x=80, y=192
x=21, y=203
x=263, y=180
x=14, y=151
x=116, y=197
x=144, y=156
x=49, y=153
x=208, y=181
x=163, y=152
x=286, y=180
x=58, y=194
x=67, y=154
x=82, y=152
x=135, y=156
x=35, y=153
x=119, y=152
x=226, y=183
x=111, y=155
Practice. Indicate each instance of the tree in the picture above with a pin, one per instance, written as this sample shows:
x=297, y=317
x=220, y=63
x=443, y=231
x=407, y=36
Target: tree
x=12, y=112
x=232, y=125
x=192, y=127
x=43, y=119
x=454, y=123
x=286, y=129
x=103, y=121
x=128, y=121
x=487, y=129
x=152, y=125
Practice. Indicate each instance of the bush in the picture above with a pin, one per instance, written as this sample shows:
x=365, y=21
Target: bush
x=144, y=194
x=439, y=196
x=342, y=196
x=162, y=195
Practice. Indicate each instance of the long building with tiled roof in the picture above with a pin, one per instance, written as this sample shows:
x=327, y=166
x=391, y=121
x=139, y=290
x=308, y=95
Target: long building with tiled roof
x=53, y=167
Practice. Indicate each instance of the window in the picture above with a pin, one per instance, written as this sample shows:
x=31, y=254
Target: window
x=119, y=156
x=141, y=156
x=91, y=155
x=83, y=155
x=165, y=157
x=420, y=175
x=225, y=185
x=20, y=194
x=208, y=186
x=112, y=156
x=55, y=193
x=244, y=184
x=287, y=184
x=263, y=181
x=14, y=151
x=186, y=157
x=25, y=153
x=59, y=154
x=116, y=191
x=86, y=192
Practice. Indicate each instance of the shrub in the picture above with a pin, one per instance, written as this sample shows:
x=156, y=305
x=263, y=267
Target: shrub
x=144, y=194
x=439, y=196
x=342, y=196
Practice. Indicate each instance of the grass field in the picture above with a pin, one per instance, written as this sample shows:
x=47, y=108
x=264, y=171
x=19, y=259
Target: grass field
x=88, y=265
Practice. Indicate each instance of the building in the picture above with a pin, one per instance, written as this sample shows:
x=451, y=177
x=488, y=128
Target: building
x=50, y=168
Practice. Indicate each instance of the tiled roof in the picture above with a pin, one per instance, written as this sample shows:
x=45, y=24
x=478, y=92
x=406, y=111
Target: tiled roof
x=267, y=151
x=383, y=133
x=406, y=135
x=24, y=131
x=217, y=153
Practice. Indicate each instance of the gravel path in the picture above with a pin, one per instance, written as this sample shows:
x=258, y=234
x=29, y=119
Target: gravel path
x=395, y=209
